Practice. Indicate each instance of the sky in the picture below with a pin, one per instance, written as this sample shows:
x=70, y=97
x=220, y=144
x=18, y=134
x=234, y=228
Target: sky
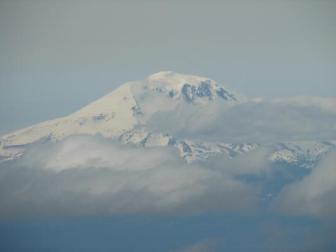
x=90, y=193
x=57, y=56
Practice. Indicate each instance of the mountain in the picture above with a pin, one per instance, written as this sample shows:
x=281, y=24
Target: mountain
x=125, y=114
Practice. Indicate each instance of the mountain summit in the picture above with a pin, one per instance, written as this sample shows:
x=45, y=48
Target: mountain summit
x=189, y=87
x=121, y=111
x=127, y=113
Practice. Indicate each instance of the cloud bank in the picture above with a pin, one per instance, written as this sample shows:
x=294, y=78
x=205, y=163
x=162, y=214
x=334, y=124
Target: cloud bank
x=84, y=175
x=315, y=194
x=254, y=120
x=87, y=175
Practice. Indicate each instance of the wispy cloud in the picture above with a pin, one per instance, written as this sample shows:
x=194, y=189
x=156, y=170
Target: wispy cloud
x=315, y=194
x=254, y=120
x=90, y=175
x=86, y=175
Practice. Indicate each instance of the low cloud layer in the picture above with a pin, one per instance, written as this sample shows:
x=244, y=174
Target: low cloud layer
x=89, y=176
x=256, y=120
x=315, y=194
x=86, y=175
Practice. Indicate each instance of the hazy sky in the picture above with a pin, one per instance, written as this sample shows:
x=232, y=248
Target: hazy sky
x=56, y=56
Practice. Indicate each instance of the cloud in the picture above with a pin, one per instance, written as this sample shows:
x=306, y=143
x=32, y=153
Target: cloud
x=254, y=120
x=324, y=103
x=88, y=175
x=254, y=162
x=315, y=194
x=85, y=175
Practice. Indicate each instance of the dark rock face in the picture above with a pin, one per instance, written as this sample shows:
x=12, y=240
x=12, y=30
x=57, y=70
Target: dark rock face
x=190, y=92
x=185, y=147
x=99, y=117
x=137, y=111
x=172, y=93
x=204, y=90
x=225, y=95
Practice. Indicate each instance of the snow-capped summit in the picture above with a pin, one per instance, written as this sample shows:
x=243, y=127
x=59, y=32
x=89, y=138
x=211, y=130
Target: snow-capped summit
x=174, y=79
x=126, y=113
x=189, y=87
x=120, y=111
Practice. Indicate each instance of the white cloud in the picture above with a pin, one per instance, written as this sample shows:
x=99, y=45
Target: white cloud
x=315, y=194
x=91, y=175
x=297, y=118
x=254, y=162
x=87, y=175
x=324, y=103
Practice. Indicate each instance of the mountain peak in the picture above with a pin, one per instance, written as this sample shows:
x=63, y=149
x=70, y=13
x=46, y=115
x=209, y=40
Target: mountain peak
x=189, y=87
x=127, y=115
x=127, y=107
x=174, y=77
x=161, y=74
x=175, y=80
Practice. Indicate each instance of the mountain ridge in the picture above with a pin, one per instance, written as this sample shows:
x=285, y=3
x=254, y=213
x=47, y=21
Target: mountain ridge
x=123, y=114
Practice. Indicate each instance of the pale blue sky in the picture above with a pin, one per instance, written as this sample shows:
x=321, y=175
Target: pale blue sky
x=56, y=56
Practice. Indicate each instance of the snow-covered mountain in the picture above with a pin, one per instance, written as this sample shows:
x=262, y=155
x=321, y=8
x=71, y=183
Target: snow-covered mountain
x=124, y=113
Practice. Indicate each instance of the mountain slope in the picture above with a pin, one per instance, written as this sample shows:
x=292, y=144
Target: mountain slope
x=120, y=111
x=124, y=114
